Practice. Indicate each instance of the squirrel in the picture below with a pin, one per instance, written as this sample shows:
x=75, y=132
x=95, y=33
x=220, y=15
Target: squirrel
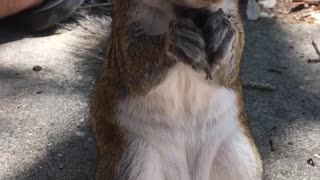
x=168, y=104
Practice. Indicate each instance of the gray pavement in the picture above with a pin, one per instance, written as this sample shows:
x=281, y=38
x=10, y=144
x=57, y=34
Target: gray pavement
x=44, y=114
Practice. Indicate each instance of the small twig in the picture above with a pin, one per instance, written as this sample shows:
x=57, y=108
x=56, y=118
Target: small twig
x=313, y=61
x=306, y=1
x=259, y=86
x=317, y=156
x=315, y=46
x=96, y=5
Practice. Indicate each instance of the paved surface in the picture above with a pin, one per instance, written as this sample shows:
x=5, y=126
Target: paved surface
x=43, y=115
x=289, y=117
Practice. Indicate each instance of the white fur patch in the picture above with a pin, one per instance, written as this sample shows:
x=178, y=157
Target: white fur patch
x=236, y=160
x=177, y=129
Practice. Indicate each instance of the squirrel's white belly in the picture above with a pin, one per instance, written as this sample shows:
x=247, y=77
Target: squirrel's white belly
x=180, y=124
x=185, y=99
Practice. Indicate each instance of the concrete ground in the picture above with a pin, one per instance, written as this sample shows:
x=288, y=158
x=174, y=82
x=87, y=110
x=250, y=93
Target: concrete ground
x=44, y=114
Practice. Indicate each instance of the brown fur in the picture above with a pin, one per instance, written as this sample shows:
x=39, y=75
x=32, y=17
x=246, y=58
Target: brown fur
x=120, y=76
x=134, y=67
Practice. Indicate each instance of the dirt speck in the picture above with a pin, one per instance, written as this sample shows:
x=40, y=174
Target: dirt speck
x=311, y=162
x=37, y=68
x=39, y=92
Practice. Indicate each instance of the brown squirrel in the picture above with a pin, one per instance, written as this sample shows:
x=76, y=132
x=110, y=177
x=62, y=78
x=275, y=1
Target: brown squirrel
x=168, y=104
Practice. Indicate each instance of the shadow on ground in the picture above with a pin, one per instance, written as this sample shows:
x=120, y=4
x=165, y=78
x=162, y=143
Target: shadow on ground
x=44, y=121
x=286, y=121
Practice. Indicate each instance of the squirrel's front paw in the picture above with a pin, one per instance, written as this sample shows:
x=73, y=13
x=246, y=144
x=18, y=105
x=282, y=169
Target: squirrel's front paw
x=186, y=44
x=219, y=35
